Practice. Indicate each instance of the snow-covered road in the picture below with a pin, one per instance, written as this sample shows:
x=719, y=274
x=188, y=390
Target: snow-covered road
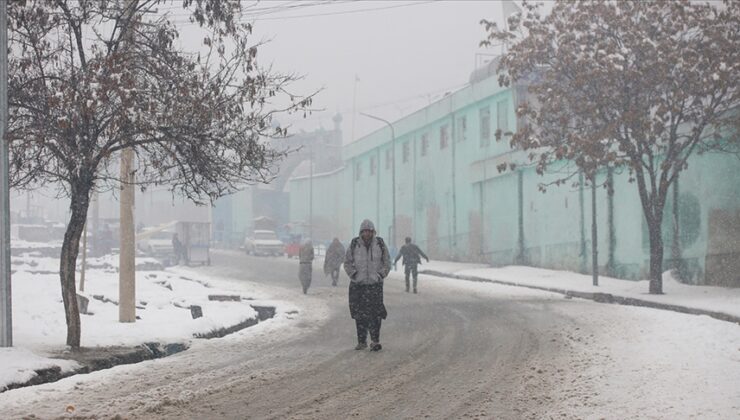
x=456, y=350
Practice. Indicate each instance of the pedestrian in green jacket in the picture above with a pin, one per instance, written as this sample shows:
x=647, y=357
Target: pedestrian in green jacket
x=411, y=259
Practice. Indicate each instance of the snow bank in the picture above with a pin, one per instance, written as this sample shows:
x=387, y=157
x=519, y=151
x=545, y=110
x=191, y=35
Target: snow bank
x=709, y=298
x=718, y=299
x=163, y=312
x=19, y=365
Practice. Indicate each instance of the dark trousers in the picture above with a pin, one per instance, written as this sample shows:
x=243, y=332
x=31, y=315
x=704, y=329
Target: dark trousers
x=334, y=276
x=365, y=325
x=411, y=269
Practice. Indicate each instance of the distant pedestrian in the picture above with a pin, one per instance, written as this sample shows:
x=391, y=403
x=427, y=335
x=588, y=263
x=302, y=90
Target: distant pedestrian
x=333, y=260
x=177, y=248
x=305, y=262
x=367, y=263
x=411, y=259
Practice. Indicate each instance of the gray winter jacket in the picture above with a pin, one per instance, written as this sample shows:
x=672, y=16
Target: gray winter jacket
x=367, y=264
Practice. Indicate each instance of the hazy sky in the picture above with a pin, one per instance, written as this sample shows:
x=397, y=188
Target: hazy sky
x=405, y=53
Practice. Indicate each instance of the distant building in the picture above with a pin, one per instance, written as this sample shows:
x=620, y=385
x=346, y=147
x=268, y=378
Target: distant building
x=234, y=216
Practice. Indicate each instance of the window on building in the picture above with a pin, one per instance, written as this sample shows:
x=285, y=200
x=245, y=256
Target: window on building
x=388, y=158
x=406, y=151
x=358, y=171
x=502, y=117
x=424, y=144
x=444, y=139
x=485, y=126
x=373, y=165
x=462, y=129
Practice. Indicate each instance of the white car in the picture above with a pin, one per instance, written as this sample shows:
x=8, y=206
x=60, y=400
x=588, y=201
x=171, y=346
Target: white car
x=157, y=244
x=264, y=242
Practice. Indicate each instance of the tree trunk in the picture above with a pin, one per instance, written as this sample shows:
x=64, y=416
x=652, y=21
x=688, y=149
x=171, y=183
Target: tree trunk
x=68, y=263
x=653, y=203
x=656, y=254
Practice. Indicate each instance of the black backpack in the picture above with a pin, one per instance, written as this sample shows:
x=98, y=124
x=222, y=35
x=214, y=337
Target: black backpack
x=381, y=244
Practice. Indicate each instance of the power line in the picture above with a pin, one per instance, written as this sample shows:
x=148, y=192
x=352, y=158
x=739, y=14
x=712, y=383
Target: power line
x=261, y=11
x=344, y=12
x=351, y=11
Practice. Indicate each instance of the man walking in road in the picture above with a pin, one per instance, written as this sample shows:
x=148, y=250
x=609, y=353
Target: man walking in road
x=411, y=259
x=333, y=261
x=367, y=263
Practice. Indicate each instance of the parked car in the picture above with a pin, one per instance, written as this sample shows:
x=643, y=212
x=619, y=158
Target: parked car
x=264, y=242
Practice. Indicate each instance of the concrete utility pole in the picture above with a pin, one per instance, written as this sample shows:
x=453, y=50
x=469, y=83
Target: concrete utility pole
x=6, y=313
x=393, y=174
x=126, y=263
x=95, y=225
x=310, y=192
x=83, y=268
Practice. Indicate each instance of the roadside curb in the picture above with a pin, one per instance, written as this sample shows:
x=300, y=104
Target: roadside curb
x=596, y=297
x=140, y=353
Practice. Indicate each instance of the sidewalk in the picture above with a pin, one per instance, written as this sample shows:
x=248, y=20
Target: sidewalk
x=718, y=302
x=165, y=323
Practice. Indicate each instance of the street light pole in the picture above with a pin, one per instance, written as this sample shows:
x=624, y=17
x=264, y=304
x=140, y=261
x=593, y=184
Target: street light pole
x=310, y=193
x=393, y=174
x=6, y=313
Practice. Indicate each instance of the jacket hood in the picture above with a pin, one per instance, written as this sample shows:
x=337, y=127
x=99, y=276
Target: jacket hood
x=367, y=225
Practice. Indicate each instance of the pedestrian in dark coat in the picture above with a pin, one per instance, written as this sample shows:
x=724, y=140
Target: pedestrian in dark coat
x=411, y=259
x=333, y=260
x=305, y=262
x=367, y=263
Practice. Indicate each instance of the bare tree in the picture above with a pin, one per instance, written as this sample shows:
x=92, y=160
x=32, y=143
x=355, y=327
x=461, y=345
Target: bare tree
x=89, y=78
x=641, y=85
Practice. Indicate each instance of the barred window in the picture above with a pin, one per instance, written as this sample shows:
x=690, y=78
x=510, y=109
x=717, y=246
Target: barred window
x=462, y=129
x=485, y=126
x=444, y=139
x=502, y=120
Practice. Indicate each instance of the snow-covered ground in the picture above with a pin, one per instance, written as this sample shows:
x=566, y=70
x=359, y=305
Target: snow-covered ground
x=197, y=370
x=164, y=298
x=628, y=362
x=19, y=243
x=710, y=298
x=621, y=362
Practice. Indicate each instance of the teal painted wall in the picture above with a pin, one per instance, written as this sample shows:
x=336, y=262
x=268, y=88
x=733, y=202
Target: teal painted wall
x=456, y=205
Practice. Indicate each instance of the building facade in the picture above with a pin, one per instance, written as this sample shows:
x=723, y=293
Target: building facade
x=450, y=197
